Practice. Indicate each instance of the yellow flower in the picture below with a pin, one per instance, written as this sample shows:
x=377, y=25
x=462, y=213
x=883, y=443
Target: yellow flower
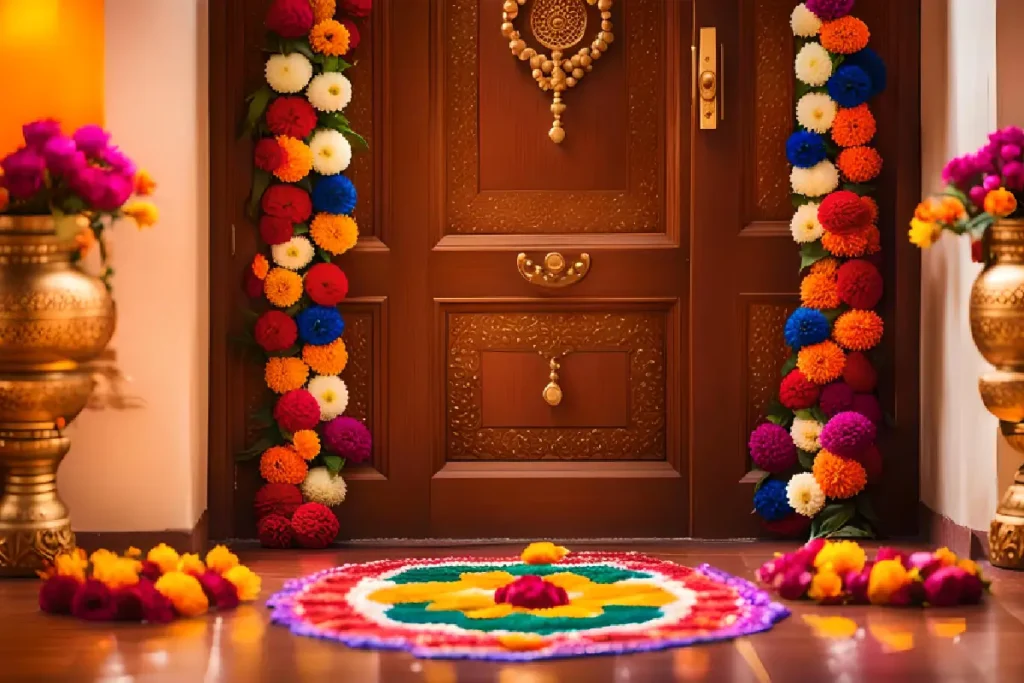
x=117, y=572
x=825, y=584
x=185, y=593
x=969, y=566
x=520, y=642
x=164, y=557
x=145, y=214
x=133, y=552
x=246, y=582
x=841, y=557
x=946, y=556
x=544, y=552
x=306, y=443
x=68, y=564
x=101, y=556
x=924, y=234
x=144, y=183
x=887, y=578
x=191, y=564
x=220, y=559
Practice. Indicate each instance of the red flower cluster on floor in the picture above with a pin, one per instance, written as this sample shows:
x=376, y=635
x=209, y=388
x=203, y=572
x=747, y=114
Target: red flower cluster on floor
x=282, y=519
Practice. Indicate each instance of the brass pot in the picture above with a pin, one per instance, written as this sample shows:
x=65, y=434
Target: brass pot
x=53, y=320
x=997, y=325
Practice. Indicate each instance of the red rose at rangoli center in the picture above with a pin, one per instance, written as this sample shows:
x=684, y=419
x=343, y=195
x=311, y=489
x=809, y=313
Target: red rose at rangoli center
x=290, y=18
x=287, y=201
x=275, y=230
x=326, y=284
x=268, y=155
x=291, y=116
x=275, y=331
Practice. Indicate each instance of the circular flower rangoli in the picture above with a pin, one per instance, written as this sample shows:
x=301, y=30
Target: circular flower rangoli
x=511, y=609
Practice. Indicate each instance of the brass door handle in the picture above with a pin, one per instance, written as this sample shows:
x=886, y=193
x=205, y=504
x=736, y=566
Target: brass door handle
x=709, y=83
x=555, y=271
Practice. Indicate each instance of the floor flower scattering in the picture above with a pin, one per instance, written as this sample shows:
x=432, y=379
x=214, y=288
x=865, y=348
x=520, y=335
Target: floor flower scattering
x=547, y=603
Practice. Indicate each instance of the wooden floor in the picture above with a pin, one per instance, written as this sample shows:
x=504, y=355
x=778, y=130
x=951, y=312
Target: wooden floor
x=983, y=643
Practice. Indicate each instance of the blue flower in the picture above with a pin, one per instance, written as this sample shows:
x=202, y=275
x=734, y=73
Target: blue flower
x=805, y=327
x=334, y=194
x=869, y=61
x=805, y=149
x=771, y=501
x=849, y=86
x=320, y=325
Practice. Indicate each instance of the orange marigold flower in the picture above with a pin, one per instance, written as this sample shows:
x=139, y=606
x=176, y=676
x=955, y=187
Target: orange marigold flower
x=323, y=9
x=826, y=266
x=334, y=234
x=821, y=363
x=838, y=477
x=329, y=359
x=872, y=207
x=329, y=37
x=5, y=199
x=820, y=291
x=1000, y=203
x=306, y=443
x=858, y=330
x=860, y=164
x=298, y=160
x=284, y=374
x=845, y=35
x=854, y=127
x=282, y=465
x=144, y=183
x=851, y=245
x=282, y=287
x=260, y=266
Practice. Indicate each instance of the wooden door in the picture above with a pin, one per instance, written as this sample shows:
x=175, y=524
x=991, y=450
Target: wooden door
x=668, y=348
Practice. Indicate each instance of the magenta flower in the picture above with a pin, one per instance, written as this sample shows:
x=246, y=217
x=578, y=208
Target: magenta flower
x=772, y=448
x=945, y=586
x=38, y=133
x=924, y=562
x=794, y=583
x=118, y=161
x=848, y=434
x=117, y=189
x=94, y=602
x=219, y=591
x=827, y=10
x=992, y=182
x=977, y=195
x=24, y=172
x=57, y=593
x=92, y=140
x=62, y=155
x=532, y=592
x=1010, y=152
x=855, y=584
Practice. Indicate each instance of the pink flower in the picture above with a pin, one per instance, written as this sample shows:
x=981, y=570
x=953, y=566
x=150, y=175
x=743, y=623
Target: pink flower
x=62, y=155
x=531, y=592
x=118, y=161
x=977, y=195
x=945, y=586
x=794, y=583
x=992, y=182
x=924, y=562
x=856, y=584
x=1010, y=152
x=23, y=172
x=94, y=602
x=38, y=133
x=91, y=139
x=56, y=594
x=219, y=591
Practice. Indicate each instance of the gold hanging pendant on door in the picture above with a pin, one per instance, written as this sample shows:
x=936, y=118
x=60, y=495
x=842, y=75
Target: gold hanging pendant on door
x=552, y=393
x=558, y=25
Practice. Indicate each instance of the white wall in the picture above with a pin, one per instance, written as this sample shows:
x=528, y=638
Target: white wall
x=958, y=104
x=145, y=469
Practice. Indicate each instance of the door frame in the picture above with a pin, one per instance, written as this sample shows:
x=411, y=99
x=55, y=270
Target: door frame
x=903, y=271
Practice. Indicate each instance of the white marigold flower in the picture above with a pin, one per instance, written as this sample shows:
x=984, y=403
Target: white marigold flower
x=816, y=112
x=330, y=91
x=295, y=254
x=804, y=494
x=817, y=181
x=813, y=64
x=288, y=73
x=332, y=153
x=805, y=434
x=331, y=394
x=805, y=23
x=320, y=486
x=805, y=225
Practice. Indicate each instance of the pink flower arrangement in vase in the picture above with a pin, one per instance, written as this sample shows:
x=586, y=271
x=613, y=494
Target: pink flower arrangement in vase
x=82, y=180
x=981, y=188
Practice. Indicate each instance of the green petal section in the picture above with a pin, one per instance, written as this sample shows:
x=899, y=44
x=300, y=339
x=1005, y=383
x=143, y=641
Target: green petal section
x=614, y=615
x=596, y=573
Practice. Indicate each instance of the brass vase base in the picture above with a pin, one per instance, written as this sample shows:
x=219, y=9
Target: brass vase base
x=1006, y=536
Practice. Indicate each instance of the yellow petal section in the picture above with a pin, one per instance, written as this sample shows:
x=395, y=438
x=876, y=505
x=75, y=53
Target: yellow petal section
x=462, y=601
x=493, y=612
x=569, y=581
x=488, y=580
x=415, y=592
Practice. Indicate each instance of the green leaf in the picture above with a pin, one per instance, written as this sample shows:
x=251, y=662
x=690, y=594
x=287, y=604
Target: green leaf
x=300, y=45
x=264, y=414
x=294, y=309
x=818, y=414
x=851, y=531
x=862, y=189
x=254, y=450
x=865, y=509
x=332, y=63
x=306, y=184
x=334, y=120
x=806, y=459
x=776, y=413
x=833, y=313
x=811, y=253
x=799, y=200
x=359, y=139
x=285, y=434
x=759, y=477
x=333, y=463
x=291, y=351
x=834, y=517
x=257, y=105
x=980, y=223
x=789, y=365
x=260, y=183
x=325, y=256
x=301, y=228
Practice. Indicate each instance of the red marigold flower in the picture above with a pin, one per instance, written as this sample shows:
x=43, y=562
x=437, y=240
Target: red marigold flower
x=353, y=33
x=843, y=213
x=275, y=230
x=357, y=8
x=791, y=526
x=287, y=201
x=268, y=155
x=797, y=392
x=976, y=251
x=297, y=410
x=252, y=285
x=275, y=331
x=93, y=601
x=290, y=18
x=291, y=116
x=56, y=594
x=315, y=526
x=277, y=499
x=275, y=531
x=326, y=284
x=860, y=284
x=220, y=592
x=871, y=461
x=859, y=373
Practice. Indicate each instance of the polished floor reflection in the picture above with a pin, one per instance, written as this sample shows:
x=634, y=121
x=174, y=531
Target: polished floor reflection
x=816, y=644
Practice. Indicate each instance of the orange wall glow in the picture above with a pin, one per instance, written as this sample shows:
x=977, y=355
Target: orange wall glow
x=51, y=56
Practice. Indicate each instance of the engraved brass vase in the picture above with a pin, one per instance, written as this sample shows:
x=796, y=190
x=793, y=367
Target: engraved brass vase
x=54, y=319
x=997, y=325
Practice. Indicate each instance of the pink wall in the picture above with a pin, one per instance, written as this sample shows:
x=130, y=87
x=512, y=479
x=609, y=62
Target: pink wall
x=145, y=468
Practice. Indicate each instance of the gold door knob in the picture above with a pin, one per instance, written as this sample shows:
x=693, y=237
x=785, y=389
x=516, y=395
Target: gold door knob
x=554, y=271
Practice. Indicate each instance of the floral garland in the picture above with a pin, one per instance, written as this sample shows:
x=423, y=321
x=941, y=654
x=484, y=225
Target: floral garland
x=839, y=572
x=304, y=205
x=157, y=589
x=816, y=453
